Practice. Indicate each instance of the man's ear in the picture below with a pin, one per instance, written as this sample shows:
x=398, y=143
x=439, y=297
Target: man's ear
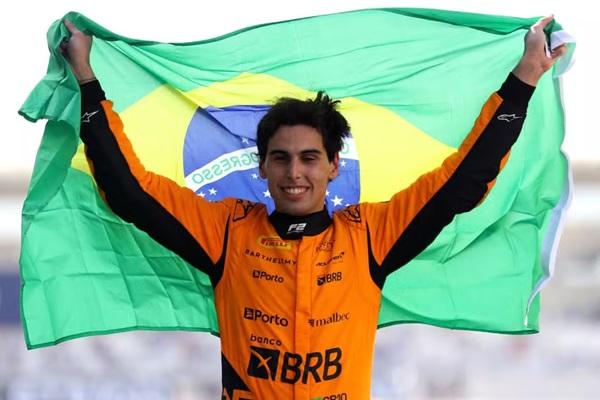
x=261, y=170
x=334, y=166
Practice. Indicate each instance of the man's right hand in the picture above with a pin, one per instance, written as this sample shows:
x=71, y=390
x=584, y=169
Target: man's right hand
x=77, y=52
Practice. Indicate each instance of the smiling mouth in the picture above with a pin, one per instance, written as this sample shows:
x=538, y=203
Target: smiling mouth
x=295, y=190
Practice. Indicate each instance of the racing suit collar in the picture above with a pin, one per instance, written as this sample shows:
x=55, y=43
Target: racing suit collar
x=294, y=227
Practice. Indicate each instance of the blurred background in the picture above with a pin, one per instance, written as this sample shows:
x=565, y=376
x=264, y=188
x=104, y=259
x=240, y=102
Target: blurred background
x=411, y=361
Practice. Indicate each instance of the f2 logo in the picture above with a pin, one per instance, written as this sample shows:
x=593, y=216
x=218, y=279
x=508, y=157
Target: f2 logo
x=296, y=228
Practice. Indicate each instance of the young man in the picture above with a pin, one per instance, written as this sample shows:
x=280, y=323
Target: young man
x=297, y=292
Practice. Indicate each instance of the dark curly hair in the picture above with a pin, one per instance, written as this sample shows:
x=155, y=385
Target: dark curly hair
x=319, y=113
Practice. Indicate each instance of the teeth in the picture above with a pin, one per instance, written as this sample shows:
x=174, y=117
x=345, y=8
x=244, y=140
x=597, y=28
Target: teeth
x=294, y=190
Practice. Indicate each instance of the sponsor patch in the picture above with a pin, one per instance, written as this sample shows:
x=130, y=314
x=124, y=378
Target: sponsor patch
x=254, y=314
x=332, y=319
x=271, y=242
x=259, y=274
x=328, y=278
x=286, y=367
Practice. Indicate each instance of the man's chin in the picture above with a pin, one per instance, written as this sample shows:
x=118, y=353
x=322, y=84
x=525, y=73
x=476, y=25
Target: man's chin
x=296, y=210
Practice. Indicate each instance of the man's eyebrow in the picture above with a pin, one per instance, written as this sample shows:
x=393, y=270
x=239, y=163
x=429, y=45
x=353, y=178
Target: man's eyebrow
x=311, y=152
x=277, y=152
x=303, y=152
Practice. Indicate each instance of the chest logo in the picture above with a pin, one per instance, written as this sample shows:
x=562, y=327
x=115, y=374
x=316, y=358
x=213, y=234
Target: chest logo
x=271, y=242
x=328, y=278
x=297, y=228
x=286, y=367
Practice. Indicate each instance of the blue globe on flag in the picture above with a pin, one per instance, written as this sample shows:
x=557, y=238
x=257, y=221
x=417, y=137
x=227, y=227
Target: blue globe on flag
x=220, y=159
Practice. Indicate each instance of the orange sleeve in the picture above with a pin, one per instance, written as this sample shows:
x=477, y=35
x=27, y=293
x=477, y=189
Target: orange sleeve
x=173, y=215
x=404, y=226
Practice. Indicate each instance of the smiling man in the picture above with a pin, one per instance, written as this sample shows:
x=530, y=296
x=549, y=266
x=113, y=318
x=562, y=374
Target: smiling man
x=298, y=146
x=298, y=291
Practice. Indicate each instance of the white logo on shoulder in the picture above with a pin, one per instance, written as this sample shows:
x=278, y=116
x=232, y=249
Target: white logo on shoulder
x=508, y=117
x=297, y=228
x=86, y=117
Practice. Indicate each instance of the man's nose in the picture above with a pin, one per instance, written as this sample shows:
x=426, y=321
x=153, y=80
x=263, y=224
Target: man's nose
x=295, y=168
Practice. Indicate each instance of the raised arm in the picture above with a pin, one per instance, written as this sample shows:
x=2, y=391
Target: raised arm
x=403, y=227
x=173, y=215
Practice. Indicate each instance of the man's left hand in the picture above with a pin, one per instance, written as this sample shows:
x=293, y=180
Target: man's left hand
x=535, y=62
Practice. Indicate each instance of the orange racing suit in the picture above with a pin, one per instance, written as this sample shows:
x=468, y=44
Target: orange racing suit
x=297, y=298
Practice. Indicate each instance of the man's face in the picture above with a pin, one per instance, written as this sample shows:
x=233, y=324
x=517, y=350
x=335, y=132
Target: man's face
x=297, y=169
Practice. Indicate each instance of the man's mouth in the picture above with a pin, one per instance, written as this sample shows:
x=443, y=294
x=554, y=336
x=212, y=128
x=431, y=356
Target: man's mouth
x=295, y=190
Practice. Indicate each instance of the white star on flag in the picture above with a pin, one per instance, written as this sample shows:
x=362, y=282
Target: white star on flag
x=245, y=140
x=343, y=163
x=267, y=194
x=212, y=191
x=327, y=193
x=202, y=194
x=254, y=176
x=337, y=201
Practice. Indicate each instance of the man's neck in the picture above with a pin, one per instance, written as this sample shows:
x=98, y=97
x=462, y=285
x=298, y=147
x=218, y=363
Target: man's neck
x=296, y=226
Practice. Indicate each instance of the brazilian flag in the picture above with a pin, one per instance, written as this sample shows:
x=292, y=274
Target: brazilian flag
x=411, y=83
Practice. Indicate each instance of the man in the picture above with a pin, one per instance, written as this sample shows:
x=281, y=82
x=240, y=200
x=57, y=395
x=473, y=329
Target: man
x=298, y=291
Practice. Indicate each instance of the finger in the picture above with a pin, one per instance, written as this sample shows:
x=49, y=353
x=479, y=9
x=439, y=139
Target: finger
x=72, y=28
x=543, y=22
x=559, y=51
